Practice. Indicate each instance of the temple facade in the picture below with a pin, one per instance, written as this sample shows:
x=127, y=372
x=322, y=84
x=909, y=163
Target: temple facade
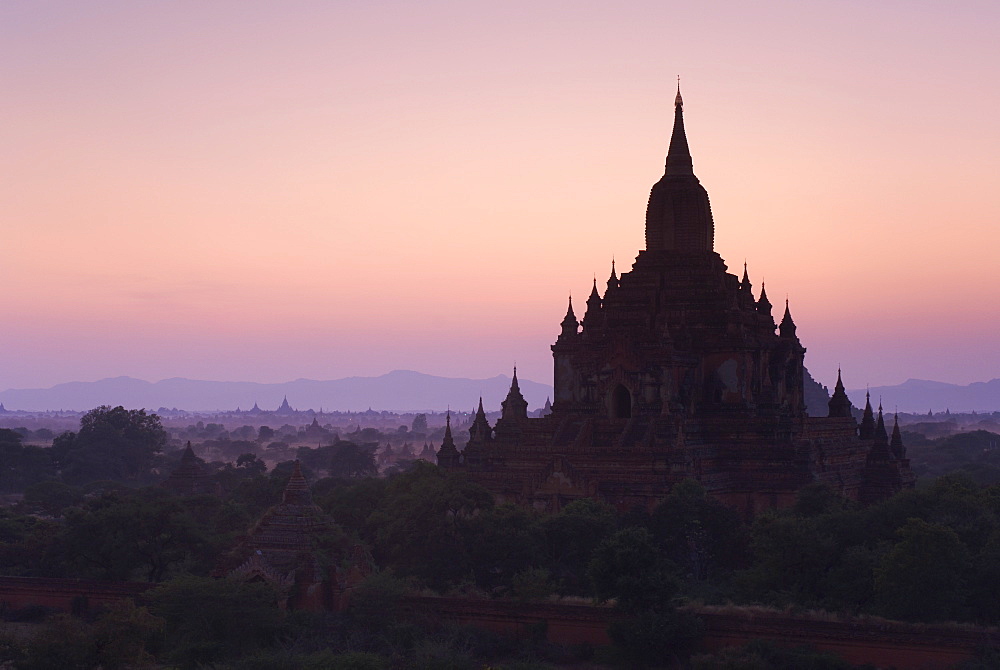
x=678, y=371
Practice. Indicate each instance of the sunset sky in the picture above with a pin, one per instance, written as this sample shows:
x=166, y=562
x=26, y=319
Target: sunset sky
x=264, y=191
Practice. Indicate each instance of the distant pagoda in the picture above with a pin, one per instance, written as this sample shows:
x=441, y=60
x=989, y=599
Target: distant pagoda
x=192, y=476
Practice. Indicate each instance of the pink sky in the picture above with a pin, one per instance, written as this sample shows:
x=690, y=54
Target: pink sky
x=264, y=191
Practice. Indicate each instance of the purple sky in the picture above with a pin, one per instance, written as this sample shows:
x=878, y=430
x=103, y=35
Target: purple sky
x=265, y=191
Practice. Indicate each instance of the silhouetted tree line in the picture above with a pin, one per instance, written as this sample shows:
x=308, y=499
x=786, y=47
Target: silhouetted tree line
x=930, y=554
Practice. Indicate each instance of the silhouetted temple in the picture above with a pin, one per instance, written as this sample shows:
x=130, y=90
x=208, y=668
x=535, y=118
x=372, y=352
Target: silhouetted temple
x=191, y=477
x=677, y=372
x=284, y=545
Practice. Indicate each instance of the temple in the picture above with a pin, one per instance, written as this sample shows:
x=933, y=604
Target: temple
x=287, y=547
x=191, y=477
x=677, y=371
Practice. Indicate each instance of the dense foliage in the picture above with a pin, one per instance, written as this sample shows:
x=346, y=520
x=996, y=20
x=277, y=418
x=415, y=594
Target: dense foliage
x=931, y=554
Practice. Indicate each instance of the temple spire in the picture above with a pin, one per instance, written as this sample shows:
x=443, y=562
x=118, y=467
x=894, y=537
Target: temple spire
x=679, y=156
x=569, y=323
x=297, y=488
x=613, y=279
x=514, y=406
x=448, y=455
x=480, y=431
x=593, y=307
x=867, y=428
x=881, y=436
x=839, y=404
x=746, y=288
x=787, y=327
x=679, y=215
x=763, y=304
x=896, y=442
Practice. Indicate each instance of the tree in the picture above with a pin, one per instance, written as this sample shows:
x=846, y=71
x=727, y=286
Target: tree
x=265, y=433
x=629, y=568
x=352, y=461
x=419, y=424
x=250, y=464
x=417, y=524
x=22, y=465
x=24, y=543
x=116, y=641
x=923, y=577
x=698, y=532
x=200, y=625
x=791, y=556
x=502, y=542
x=352, y=502
x=123, y=536
x=572, y=536
x=52, y=497
x=113, y=443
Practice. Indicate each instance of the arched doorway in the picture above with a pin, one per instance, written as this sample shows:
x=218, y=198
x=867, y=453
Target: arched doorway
x=621, y=403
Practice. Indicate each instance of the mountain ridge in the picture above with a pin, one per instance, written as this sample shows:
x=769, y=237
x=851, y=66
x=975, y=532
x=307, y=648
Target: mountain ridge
x=397, y=390
x=409, y=390
x=923, y=395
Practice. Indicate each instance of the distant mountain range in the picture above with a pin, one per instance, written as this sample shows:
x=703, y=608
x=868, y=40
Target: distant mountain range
x=921, y=395
x=400, y=390
x=405, y=390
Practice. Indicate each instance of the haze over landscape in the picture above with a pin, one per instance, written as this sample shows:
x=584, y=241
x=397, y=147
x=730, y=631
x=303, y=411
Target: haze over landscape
x=285, y=296
x=255, y=192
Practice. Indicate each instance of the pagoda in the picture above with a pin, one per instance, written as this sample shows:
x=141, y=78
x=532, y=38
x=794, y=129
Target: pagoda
x=287, y=546
x=192, y=476
x=677, y=371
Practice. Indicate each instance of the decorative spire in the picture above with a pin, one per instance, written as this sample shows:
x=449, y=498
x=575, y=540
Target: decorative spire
x=679, y=215
x=746, y=288
x=297, y=489
x=881, y=437
x=679, y=156
x=764, y=305
x=896, y=443
x=787, y=326
x=593, y=307
x=613, y=279
x=840, y=404
x=867, y=428
x=480, y=431
x=447, y=455
x=514, y=406
x=569, y=323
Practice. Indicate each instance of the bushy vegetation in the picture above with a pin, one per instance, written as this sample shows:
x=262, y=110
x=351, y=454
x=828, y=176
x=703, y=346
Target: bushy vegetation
x=931, y=554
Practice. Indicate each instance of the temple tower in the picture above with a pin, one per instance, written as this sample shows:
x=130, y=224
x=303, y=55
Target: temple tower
x=678, y=215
